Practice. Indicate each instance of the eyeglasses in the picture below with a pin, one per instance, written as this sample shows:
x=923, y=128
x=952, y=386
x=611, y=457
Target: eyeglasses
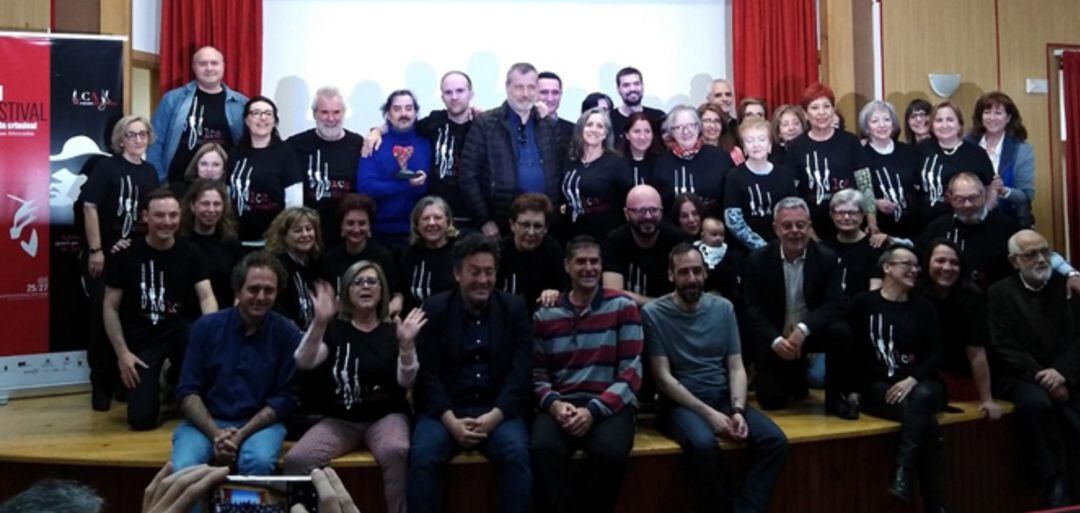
x=1033, y=255
x=968, y=200
x=645, y=211
x=366, y=282
x=531, y=227
x=684, y=128
x=131, y=136
x=261, y=113
x=797, y=225
x=906, y=264
x=710, y=122
x=846, y=213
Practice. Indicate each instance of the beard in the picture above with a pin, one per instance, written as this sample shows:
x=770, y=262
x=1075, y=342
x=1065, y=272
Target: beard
x=644, y=228
x=690, y=293
x=1037, y=276
x=632, y=100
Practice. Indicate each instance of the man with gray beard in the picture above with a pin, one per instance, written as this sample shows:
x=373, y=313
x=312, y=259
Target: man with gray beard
x=1035, y=335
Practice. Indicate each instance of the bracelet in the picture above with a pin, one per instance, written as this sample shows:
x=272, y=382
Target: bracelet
x=738, y=410
x=94, y=250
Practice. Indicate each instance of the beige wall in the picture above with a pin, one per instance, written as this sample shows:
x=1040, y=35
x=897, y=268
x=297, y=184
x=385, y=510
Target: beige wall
x=28, y=15
x=959, y=36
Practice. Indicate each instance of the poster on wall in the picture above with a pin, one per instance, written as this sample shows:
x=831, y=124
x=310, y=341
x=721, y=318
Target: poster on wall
x=59, y=96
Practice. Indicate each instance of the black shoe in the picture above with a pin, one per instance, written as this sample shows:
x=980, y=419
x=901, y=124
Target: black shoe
x=1055, y=495
x=100, y=400
x=840, y=407
x=901, y=486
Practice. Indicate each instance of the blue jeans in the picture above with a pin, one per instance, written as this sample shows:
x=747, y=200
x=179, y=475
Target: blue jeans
x=258, y=453
x=432, y=446
x=767, y=442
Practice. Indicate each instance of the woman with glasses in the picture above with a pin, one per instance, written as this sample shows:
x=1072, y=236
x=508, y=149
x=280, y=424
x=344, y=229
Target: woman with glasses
x=714, y=123
x=296, y=239
x=595, y=180
x=893, y=171
x=690, y=166
x=640, y=147
x=898, y=347
x=426, y=265
x=917, y=121
x=263, y=174
x=826, y=159
x=997, y=128
x=110, y=208
x=363, y=361
x=961, y=309
x=530, y=260
x=944, y=156
x=206, y=219
x=858, y=258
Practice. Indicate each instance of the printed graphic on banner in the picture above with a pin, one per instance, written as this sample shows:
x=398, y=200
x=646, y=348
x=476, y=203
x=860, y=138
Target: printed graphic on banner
x=24, y=202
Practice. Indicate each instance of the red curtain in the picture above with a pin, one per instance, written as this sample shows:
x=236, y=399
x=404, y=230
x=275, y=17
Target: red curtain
x=232, y=26
x=1071, y=69
x=775, y=48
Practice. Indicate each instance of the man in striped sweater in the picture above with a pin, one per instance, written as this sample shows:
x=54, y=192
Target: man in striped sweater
x=586, y=373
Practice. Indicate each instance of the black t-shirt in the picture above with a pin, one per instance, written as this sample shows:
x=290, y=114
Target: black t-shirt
x=644, y=271
x=156, y=287
x=985, y=245
x=702, y=175
x=358, y=379
x=294, y=301
x=618, y=121
x=895, y=339
x=219, y=257
x=206, y=123
x=425, y=272
x=329, y=174
x=117, y=187
x=756, y=194
x=527, y=274
x=858, y=264
x=257, y=181
x=939, y=166
x=337, y=260
x=641, y=171
x=724, y=271
x=594, y=195
x=447, y=143
x=895, y=177
x=823, y=168
x=963, y=324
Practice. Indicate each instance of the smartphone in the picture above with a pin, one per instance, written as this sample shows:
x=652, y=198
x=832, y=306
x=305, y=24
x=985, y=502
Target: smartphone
x=263, y=494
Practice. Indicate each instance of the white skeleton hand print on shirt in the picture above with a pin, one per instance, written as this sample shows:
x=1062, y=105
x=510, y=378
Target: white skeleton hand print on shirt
x=892, y=189
x=931, y=180
x=318, y=176
x=240, y=186
x=444, y=151
x=571, y=190
x=420, y=283
x=152, y=292
x=347, y=384
x=127, y=205
x=760, y=205
x=637, y=281
x=195, y=122
x=683, y=182
x=817, y=177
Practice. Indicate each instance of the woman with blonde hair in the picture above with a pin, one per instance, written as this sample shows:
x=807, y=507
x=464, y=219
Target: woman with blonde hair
x=295, y=237
x=426, y=267
x=208, y=163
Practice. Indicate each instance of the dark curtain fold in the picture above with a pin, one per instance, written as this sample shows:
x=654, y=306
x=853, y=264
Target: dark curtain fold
x=775, y=49
x=232, y=26
x=1071, y=70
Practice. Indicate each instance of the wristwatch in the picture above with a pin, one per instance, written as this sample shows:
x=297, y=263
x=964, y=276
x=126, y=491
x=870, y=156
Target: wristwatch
x=738, y=410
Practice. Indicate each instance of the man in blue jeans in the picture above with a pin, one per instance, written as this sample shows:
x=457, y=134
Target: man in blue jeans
x=239, y=376
x=692, y=340
x=472, y=391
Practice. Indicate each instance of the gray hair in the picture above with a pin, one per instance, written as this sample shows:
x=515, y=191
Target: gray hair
x=665, y=127
x=577, y=141
x=116, y=141
x=874, y=106
x=520, y=68
x=846, y=196
x=328, y=92
x=790, y=202
x=418, y=210
x=55, y=496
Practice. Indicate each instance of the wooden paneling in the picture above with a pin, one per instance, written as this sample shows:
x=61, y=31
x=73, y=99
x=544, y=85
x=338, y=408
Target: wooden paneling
x=115, y=19
x=77, y=16
x=29, y=15
x=847, y=60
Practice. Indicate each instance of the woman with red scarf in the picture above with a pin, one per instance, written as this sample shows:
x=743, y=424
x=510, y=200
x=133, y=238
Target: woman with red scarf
x=690, y=166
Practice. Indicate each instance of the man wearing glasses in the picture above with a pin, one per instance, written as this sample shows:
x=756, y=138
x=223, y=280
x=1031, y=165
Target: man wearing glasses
x=635, y=259
x=202, y=111
x=795, y=306
x=1035, y=335
x=508, y=152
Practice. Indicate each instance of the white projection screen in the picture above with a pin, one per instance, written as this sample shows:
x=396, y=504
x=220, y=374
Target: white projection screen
x=369, y=48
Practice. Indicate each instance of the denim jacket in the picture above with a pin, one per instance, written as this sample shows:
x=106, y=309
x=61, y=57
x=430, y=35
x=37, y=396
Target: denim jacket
x=168, y=123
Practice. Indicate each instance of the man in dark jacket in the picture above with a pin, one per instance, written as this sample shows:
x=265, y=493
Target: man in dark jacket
x=1035, y=335
x=795, y=306
x=472, y=391
x=509, y=151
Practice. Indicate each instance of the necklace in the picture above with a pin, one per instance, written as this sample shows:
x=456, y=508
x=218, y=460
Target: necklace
x=951, y=151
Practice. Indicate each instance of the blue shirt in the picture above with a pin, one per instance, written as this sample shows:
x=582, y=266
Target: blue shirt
x=530, y=169
x=236, y=375
x=474, y=392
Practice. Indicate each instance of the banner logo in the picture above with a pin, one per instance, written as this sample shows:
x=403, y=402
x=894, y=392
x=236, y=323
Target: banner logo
x=96, y=99
x=26, y=214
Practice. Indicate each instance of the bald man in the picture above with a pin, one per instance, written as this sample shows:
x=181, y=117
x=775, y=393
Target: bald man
x=635, y=254
x=1035, y=336
x=202, y=111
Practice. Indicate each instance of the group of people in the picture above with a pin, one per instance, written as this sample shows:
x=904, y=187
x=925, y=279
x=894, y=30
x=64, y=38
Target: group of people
x=536, y=281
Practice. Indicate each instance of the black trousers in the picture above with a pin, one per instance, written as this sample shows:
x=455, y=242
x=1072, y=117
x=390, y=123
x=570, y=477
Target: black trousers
x=1046, y=426
x=779, y=380
x=920, y=447
x=144, y=402
x=607, y=444
x=100, y=356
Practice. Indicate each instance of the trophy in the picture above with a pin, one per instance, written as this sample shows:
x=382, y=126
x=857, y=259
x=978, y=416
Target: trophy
x=403, y=154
